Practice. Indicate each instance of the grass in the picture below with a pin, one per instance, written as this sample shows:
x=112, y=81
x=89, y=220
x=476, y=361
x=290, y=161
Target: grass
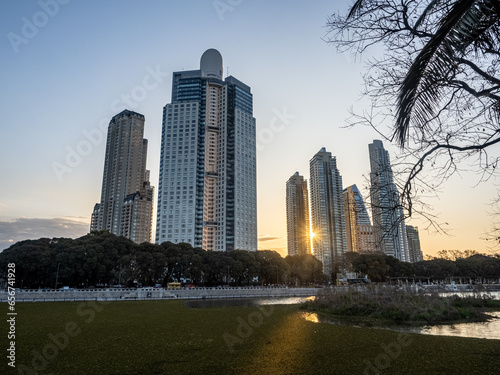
x=373, y=304
x=166, y=337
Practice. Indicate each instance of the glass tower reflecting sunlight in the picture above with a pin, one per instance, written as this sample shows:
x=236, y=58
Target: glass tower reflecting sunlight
x=327, y=210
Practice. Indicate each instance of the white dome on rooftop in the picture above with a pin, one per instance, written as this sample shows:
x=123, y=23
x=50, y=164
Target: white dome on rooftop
x=211, y=64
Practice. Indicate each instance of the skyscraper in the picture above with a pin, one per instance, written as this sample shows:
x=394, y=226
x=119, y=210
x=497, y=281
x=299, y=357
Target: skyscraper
x=387, y=213
x=414, y=244
x=297, y=216
x=207, y=187
x=126, y=198
x=359, y=230
x=327, y=210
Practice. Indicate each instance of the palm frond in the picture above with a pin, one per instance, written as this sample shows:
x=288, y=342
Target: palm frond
x=424, y=14
x=469, y=22
x=356, y=8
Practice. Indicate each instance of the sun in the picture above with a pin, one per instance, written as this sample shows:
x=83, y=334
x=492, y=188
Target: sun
x=311, y=235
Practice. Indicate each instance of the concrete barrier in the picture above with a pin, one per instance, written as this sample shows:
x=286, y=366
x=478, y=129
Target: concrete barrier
x=116, y=294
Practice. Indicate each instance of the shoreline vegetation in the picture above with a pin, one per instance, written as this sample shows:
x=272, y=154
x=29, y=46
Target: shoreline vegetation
x=383, y=305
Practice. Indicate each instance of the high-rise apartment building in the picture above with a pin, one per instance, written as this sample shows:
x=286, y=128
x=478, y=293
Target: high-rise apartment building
x=137, y=214
x=359, y=230
x=126, y=198
x=414, y=244
x=297, y=216
x=207, y=186
x=327, y=210
x=389, y=228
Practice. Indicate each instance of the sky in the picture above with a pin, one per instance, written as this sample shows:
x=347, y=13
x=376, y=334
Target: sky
x=69, y=66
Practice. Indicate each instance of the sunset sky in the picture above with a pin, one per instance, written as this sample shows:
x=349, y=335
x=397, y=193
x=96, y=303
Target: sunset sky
x=69, y=66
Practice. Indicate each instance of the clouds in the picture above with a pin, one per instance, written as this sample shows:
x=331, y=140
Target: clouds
x=268, y=238
x=29, y=228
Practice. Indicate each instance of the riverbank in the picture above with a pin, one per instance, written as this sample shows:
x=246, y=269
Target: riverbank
x=376, y=305
x=167, y=337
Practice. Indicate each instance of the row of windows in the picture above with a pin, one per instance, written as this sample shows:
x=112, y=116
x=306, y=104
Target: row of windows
x=182, y=105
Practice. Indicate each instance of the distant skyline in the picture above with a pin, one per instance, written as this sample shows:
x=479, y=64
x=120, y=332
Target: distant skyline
x=70, y=66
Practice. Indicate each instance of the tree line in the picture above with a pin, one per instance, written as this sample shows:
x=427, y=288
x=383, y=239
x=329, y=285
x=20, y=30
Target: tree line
x=380, y=267
x=104, y=259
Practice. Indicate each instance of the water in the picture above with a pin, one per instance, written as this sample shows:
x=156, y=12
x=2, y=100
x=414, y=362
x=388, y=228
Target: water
x=486, y=330
x=482, y=330
x=245, y=302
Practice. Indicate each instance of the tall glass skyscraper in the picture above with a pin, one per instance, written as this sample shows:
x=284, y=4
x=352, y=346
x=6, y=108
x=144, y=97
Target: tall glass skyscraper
x=207, y=186
x=126, y=207
x=297, y=216
x=359, y=229
x=327, y=210
x=389, y=228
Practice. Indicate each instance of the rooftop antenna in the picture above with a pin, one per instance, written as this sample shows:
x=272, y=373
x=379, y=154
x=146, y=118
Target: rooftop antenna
x=227, y=71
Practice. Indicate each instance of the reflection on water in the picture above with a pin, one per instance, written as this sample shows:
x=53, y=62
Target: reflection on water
x=246, y=302
x=494, y=295
x=284, y=301
x=484, y=330
x=311, y=317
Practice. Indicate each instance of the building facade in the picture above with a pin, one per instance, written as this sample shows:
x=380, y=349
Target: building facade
x=389, y=228
x=327, y=210
x=207, y=185
x=126, y=197
x=414, y=244
x=366, y=239
x=297, y=216
x=359, y=230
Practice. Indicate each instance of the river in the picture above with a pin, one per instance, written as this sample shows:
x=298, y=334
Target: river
x=483, y=330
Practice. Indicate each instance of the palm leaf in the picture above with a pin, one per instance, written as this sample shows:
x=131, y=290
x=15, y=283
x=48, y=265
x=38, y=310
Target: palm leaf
x=424, y=14
x=356, y=8
x=469, y=22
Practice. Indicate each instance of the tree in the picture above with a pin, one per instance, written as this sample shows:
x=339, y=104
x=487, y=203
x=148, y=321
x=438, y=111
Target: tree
x=104, y=259
x=435, y=81
x=216, y=268
x=35, y=262
x=244, y=267
x=373, y=265
x=436, y=268
x=479, y=265
x=273, y=268
x=306, y=269
x=455, y=254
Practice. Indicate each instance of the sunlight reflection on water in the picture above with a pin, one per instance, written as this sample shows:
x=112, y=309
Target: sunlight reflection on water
x=247, y=302
x=483, y=330
x=486, y=330
x=284, y=300
x=311, y=317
